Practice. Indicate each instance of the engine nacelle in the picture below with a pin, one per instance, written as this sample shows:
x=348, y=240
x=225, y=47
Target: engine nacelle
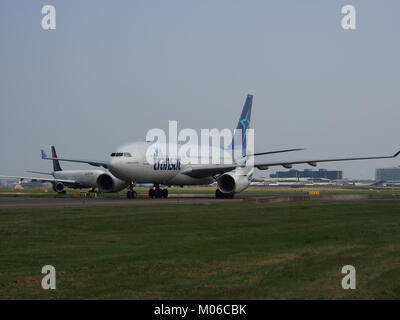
x=232, y=183
x=108, y=183
x=58, y=187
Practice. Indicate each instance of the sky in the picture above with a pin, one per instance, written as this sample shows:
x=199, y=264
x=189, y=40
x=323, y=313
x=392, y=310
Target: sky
x=112, y=70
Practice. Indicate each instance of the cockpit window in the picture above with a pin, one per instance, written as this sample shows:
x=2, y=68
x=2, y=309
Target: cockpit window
x=120, y=154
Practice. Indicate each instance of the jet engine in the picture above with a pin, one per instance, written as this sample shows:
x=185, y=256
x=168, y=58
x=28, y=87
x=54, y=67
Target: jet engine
x=232, y=183
x=108, y=183
x=59, y=187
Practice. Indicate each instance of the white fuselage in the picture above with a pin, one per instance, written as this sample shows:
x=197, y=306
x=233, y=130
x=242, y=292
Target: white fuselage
x=132, y=165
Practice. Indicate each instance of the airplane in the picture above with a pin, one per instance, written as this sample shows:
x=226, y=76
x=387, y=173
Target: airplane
x=76, y=179
x=129, y=163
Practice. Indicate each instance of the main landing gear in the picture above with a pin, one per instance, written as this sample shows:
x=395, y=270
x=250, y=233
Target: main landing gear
x=221, y=195
x=157, y=192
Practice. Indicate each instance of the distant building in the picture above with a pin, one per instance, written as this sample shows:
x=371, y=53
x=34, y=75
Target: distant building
x=8, y=182
x=24, y=184
x=387, y=174
x=308, y=173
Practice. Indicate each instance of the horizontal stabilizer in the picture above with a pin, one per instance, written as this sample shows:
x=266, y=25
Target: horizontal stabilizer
x=94, y=163
x=39, y=179
x=39, y=172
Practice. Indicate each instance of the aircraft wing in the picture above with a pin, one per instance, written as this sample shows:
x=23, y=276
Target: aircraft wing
x=39, y=179
x=201, y=171
x=276, y=151
x=95, y=163
x=288, y=164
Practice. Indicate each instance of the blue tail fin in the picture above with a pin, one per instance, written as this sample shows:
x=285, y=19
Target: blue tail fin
x=240, y=134
x=44, y=155
x=56, y=163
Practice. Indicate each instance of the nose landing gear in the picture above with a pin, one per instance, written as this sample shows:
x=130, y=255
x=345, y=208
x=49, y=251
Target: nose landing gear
x=131, y=194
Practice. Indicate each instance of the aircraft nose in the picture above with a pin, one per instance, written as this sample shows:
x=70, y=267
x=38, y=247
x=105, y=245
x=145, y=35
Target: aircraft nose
x=112, y=163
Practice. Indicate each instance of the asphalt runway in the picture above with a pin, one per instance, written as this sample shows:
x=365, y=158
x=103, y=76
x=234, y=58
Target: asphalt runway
x=24, y=202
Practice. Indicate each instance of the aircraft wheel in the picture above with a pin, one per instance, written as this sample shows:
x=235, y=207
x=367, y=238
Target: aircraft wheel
x=158, y=193
x=131, y=194
x=165, y=193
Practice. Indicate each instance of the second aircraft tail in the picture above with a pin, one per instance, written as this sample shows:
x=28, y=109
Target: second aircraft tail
x=56, y=163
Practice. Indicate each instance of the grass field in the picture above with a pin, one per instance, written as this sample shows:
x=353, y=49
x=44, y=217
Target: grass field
x=217, y=251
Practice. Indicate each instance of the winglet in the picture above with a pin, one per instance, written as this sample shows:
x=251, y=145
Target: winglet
x=396, y=154
x=44, y=155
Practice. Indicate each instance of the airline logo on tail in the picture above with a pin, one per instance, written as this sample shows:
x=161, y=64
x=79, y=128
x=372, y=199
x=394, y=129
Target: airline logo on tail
x=56, y=163
x=242, y=127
